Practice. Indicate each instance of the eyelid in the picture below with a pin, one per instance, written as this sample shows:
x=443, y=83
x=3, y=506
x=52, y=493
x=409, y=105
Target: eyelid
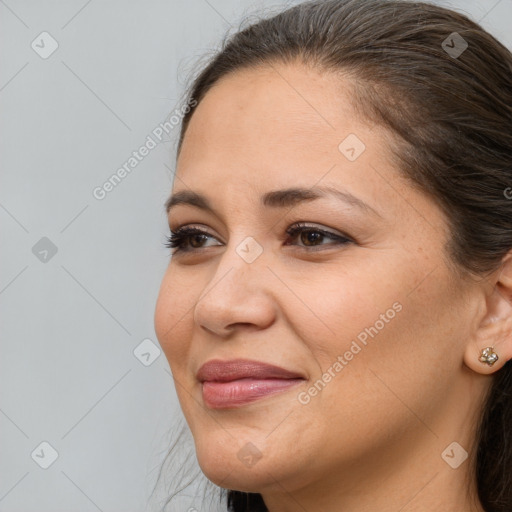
x=187, y=226
x=298, y=225
x=176, y=241
x=295, y=226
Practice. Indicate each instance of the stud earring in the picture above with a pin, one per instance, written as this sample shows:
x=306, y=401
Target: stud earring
x=488, y=356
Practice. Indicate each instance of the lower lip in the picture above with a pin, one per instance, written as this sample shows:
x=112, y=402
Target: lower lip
x=235, y=393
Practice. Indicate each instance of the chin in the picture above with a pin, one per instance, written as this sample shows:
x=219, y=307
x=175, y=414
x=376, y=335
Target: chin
x=253, y=480
x=236, y=465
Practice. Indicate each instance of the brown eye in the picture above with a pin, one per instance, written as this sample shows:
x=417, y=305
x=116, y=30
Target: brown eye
x=190, y=239
x=311, y=236
x=196, y=240
x=187, y=239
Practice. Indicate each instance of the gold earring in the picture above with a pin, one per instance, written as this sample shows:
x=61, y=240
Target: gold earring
x=488, y=356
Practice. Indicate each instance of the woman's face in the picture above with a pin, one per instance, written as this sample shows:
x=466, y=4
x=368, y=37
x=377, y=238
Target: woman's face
x=362, y=309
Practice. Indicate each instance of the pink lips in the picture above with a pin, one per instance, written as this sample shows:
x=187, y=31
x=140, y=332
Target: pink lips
x=229, y=384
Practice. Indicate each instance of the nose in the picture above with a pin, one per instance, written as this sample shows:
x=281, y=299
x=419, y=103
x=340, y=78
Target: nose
x=238, y=295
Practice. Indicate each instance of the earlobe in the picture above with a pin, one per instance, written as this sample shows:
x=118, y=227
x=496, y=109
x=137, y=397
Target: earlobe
x=491, y=354
x=491, y=346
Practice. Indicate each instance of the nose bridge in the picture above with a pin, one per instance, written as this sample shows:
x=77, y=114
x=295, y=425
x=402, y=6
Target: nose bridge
x=241, y=264
x=237, y=291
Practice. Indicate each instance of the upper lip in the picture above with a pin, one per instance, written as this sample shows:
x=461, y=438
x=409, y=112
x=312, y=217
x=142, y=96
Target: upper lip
x=225, y=371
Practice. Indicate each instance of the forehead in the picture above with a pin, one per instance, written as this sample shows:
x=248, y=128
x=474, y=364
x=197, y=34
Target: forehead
x=268, y=105
x=275, y=120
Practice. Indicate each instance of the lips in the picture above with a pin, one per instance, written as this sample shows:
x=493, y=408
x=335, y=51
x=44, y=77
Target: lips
x=225, y=371
x=234, y=383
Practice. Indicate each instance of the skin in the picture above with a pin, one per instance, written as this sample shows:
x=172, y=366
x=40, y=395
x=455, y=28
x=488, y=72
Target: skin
x=372, y=438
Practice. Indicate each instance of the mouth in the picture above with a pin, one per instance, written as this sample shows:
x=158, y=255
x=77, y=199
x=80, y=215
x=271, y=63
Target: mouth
x=235, y=383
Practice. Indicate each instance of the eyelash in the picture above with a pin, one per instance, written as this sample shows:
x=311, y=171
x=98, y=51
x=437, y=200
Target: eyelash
x=177, y=239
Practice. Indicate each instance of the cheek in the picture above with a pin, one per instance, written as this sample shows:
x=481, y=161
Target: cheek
x=334, y=307
x=173, y=317
x=387, y=348
x=366, y=323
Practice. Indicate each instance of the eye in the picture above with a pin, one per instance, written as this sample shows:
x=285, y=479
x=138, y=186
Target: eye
x=186, y=239
x=189, y=239
x=310, y=235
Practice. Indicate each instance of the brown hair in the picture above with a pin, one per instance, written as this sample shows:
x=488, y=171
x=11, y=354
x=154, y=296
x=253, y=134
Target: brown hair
x=449, y=108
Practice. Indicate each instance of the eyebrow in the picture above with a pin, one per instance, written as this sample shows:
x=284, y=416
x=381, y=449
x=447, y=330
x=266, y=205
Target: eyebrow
x=284, y=198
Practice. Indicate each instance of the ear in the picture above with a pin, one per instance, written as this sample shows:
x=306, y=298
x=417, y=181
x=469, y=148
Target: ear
x=495, y=329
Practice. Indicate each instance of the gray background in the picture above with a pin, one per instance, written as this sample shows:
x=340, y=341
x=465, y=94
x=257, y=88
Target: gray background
x=72, y=320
